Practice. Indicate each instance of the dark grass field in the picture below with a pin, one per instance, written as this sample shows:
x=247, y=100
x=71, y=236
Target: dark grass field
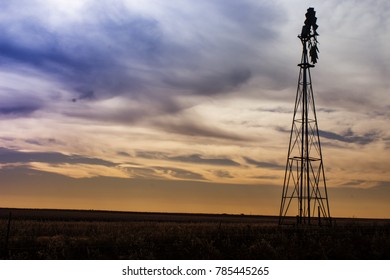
x=72, y=234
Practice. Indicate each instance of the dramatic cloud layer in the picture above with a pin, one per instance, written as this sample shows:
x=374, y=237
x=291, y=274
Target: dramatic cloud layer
x=180, y=91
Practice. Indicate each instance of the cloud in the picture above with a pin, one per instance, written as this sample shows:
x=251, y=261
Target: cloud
x=122, y=153
x=160, y=172
x=346, y=137
x=355, y=183
x=13, y=156
x=142, y=172
x=186, y=125
x=143, y=64
x=151, y=155
x=211, y=83
x=21, y=110
x=263, y=164
x=43, y=141
x=198, y=159
x=91, y=59
x=194, y=158
x=15, y=104
x=108, y=49
x=179, y=173
x=80, y=170
x=222, y=174
x=77, y=166
x=350, y=137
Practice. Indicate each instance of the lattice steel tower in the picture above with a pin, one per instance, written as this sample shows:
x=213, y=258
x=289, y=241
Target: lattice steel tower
x=304, y=187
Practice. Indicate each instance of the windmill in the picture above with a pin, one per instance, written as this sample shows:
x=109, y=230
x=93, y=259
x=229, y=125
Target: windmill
x=304, y=187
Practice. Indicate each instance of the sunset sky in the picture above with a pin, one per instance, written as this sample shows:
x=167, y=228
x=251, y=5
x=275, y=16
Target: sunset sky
x=186, y=106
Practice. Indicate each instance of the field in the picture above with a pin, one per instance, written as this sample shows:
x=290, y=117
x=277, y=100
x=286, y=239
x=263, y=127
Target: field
x=66, y=234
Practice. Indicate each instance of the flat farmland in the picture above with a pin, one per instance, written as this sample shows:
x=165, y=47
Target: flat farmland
x=81, y=234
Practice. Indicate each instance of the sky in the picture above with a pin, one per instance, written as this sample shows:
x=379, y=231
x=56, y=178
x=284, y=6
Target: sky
x=186, y=106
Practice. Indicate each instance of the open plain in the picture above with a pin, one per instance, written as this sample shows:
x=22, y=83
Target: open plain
x=81, y=234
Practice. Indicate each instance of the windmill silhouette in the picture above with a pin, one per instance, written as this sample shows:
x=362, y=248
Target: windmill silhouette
x=304, y=186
